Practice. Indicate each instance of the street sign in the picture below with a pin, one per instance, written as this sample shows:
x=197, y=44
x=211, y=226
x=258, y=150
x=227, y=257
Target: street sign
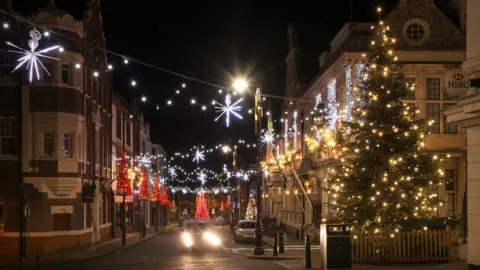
x=457, y=82
x=213, y=211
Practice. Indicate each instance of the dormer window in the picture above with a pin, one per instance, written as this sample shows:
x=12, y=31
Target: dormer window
x=416, y=32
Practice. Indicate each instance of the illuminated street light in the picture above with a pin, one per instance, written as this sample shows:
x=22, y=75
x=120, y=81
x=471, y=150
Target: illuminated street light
x=240, y=84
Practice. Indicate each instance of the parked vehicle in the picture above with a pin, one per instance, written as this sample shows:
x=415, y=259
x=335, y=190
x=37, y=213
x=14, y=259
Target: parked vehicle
x=245, y=230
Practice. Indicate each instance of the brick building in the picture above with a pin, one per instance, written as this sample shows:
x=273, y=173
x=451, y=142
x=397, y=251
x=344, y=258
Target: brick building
x=64, y=139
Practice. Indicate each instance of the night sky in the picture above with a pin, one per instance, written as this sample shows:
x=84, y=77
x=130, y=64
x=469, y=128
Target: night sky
x=215, y=41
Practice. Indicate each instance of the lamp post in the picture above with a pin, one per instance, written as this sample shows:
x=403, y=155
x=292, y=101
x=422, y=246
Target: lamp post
x=123, y=214
x=259, y=230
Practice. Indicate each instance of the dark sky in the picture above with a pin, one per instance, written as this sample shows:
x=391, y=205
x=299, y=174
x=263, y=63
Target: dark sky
x=214, y=41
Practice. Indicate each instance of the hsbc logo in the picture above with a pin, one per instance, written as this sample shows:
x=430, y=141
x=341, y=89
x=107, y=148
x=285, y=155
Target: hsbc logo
x=456, y=82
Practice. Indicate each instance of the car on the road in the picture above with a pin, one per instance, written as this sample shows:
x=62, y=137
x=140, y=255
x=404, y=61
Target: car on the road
x=245, y=230
x=200, y=234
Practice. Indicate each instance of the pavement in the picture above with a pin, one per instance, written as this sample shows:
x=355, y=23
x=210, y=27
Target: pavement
x=165, y=251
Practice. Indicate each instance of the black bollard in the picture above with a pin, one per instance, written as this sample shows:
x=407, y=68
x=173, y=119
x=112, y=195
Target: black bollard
x=298, y=235
x=308, y=255
x=275, y=246
x=37, y=261
x=281, y=246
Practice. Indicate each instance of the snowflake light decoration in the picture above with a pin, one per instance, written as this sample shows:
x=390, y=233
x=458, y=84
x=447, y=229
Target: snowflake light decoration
x=202, y=177
x=267, y=138
x=199, y=156
x=172, y=172
x=145, y=161
x=228, y=108
x=32, y=57
x=246, y=177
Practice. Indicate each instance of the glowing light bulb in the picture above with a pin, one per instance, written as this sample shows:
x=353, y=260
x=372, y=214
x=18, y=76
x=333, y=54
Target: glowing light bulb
x=77, y=66
x=193, y=101
x=95, y=74
x=133, y=83
x=6, y=25
x=125, y=61
x=169, y=102
x=61, y=49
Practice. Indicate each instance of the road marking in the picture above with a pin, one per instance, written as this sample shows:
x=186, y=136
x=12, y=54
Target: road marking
x=283, y=265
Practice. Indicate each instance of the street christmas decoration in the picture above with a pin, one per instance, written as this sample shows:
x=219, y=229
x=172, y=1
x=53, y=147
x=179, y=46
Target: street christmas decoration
x=202, y=210
x=123, y=184
x=143, y=194
x=174, y=206
x=323, y=136
x=164, y=196
x=228, y=202
x=199, y=156
x=383, y=172
x=31, y=57
x=228, y=108
x=156, y=190
x=251, y=212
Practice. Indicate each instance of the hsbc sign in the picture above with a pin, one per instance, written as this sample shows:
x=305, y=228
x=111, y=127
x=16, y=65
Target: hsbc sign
x=457, y=82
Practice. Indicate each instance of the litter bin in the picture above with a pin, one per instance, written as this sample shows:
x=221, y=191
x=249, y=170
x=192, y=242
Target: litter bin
x=336, y=248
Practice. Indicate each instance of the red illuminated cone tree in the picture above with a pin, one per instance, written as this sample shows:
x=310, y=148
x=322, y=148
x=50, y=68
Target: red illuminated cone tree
x=156, y=191
x=123, y=184
x=144, y=194
x=202, y=211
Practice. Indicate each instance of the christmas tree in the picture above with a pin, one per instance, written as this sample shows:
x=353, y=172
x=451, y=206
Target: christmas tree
x=143, y=195
x=251, y=209
x=123, y=184
x=164, y=196
x=202, y=211
x=383, y=171
x=156, y=190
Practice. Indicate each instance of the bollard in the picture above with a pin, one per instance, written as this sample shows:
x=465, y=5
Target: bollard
x=275, y=246
x=21, y=263
x=308, y=257
x=298, y=235
x=281, y=247
x=37, y=261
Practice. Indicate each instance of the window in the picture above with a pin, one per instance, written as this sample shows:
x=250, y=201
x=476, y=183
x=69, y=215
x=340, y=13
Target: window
x=66, y=145
x=3, y=57
x=128, y=133
x=7, y=136
x=48, y=143
x=66, y=73
x=154, y=151
x=447, y=96
x=433, y=89
x=450, y=180
x=411, y=89
x=119, y=125
x=415, y=32
x=448, y=127
x=433, y=113
x=450, y=204
x=61, y=222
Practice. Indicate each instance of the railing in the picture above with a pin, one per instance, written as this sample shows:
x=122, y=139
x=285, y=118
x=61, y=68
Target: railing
x=432, y=246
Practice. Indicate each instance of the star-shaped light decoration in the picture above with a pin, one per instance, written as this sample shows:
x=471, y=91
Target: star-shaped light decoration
x=145, y=161
x=246, y=177
x=199, y=156
x=202, y=177
x=228, y=108
x=267, y=138
x=172, y=172
x=32, y=57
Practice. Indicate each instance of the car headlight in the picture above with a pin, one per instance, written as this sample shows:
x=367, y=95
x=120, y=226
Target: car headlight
x=212, y=238
x=187, y=239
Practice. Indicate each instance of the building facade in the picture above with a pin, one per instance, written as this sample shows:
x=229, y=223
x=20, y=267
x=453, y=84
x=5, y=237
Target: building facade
x=55, y=141
x=467, y=115
x=428, y=46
